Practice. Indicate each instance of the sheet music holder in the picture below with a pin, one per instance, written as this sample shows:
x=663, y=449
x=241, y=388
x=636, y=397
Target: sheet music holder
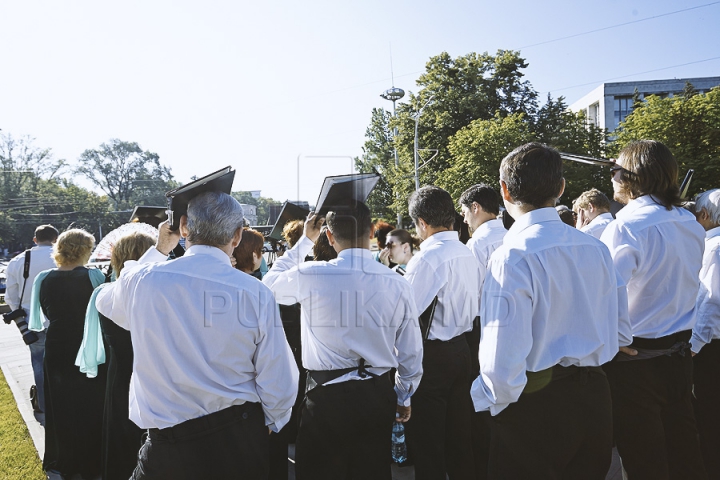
x=178, y=199
x=337, y=190
x=289, y=212
x=151, y=215
x=587, y=160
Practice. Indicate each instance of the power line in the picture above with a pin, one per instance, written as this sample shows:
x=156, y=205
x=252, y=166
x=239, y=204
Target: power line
x=632, y=74
x=618, y=25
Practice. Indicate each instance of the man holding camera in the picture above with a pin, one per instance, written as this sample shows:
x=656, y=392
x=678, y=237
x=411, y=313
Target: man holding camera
x=40, y=257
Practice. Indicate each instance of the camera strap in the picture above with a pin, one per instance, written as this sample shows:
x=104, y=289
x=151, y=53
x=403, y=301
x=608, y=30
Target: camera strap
x=26, y=274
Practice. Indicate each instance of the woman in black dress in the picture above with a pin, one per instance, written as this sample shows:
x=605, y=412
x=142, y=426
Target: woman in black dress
x=121, y=437
x=74, y=403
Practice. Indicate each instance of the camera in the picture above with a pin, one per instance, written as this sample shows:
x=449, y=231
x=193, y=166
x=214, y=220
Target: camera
x=19, y=317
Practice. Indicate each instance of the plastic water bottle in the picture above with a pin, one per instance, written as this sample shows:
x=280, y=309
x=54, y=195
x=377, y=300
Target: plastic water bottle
x=399, y=448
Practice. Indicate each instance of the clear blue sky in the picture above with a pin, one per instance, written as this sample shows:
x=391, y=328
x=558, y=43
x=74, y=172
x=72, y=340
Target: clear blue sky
x=255, y=84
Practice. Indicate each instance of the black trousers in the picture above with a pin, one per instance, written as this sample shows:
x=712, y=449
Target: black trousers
x=229, y=444
x=706, y=403
x=653, y=417
x=560, y=428
x=480, y=423
x=345, y=431
x=438, y=433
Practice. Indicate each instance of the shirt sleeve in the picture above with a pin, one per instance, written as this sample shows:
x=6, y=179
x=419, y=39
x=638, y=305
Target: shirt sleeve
x=626, y=255
x=707, y=325
x=284, y=276
x=13, y=279
x=277, y=373
x=425, y=281
x=115, y=298
x=506, y=336
x=409, y=348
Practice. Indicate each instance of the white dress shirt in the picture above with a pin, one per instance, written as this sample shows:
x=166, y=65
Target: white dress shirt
x=551, y=297
x=352, y=307
x=205, y=337
x=40, y=260
x=446, y=268
x=597, y=225
x=707, y=325
x=484, y=241
x=658, y=253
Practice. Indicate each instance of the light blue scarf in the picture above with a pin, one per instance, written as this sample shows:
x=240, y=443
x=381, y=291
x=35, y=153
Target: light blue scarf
x=92, y=339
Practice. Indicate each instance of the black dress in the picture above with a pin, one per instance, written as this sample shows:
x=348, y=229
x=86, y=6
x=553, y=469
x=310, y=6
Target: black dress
x=73, y=402
x=121, y=437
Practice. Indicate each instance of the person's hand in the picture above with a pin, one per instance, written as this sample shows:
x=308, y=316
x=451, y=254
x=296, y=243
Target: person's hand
x=582, y=219
x=233, y=261
x=692, y=353
x=628, y=351
x=385, y=256
x=167, y=239
x=313, y=225
x=403, y=414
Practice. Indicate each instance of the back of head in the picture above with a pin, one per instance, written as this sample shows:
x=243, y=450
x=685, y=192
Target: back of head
x=434, y=205
x=73, y=247
x=710, y=201
x=292, y=231
x=252, y=242
x=484, y=195
x=350, y=223
x=323, y=251
x=566, y=215
x=46, y=233
x=649, y=168
x=213, y=218
x=533, y=174
x=129, y=247
x=592, y=197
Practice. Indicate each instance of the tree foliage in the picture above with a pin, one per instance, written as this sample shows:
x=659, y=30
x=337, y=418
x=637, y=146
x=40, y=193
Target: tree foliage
x=128, y=175
x=378, y=157
x=689, y=124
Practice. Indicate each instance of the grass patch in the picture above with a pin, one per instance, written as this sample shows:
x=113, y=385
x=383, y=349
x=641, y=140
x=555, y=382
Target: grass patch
x=18, y=457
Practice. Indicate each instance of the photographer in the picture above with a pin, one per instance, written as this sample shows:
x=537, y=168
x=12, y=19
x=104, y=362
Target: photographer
x=40, y=259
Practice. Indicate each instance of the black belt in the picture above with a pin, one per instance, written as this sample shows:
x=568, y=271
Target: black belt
x=206, y=422
x=662, y=343
x=539, y=380
x=321, y=377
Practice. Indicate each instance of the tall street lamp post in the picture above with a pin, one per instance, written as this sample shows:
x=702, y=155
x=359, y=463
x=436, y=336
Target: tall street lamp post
x=415, y=146
x=394, y=94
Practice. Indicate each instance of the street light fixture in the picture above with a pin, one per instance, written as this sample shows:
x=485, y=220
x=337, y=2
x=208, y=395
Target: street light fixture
x=415, y=147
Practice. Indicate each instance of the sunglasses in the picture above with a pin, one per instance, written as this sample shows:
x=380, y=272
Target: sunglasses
x=618, y=168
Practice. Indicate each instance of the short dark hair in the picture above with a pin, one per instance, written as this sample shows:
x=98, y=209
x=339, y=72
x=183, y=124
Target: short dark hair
x=649, y=168
x=434, y=205
x=349, y=222
x=323, y=251
x=484, y=195
x=533, y=174
x=251, y=242
x=46, y=233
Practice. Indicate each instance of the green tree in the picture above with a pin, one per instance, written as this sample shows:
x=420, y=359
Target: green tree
x=126, y=174
x=688, y=124
x=378, y=157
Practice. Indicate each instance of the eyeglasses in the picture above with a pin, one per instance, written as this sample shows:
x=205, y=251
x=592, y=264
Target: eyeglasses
x=617, y=168
x=389, y=245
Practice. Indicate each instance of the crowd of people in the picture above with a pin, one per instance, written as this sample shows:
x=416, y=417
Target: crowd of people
x=527, y=352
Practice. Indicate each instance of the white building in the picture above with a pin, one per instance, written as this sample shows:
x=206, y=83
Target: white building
x=250, y=213
x=610, y=103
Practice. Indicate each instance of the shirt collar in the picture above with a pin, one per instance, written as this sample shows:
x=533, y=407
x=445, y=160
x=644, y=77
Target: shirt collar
x=540, y=215
x=208, y=250
x=439, y=237
x=485, y=227
x=713, y=232
x=599, y=218
x=635, y=205
x=356, y=252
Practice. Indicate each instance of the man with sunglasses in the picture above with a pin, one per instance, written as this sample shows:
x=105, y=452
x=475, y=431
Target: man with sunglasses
x=657, y=248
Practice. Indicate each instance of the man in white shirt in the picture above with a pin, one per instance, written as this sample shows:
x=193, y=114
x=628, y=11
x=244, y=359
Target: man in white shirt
x=357, y=323
x=480, y=207
x=548, y=322
x=705, y=341
x=657, y=248
x=445, y=280
x=212, y=369
x=40, y=260
x=593, y=212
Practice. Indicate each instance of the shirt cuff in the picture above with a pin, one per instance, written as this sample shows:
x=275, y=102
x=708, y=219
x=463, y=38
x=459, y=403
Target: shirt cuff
x=696, y=343
x=279, y=422
x=152, y=256
x=403, y=398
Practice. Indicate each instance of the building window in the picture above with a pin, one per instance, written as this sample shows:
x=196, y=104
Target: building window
x=623, y=108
